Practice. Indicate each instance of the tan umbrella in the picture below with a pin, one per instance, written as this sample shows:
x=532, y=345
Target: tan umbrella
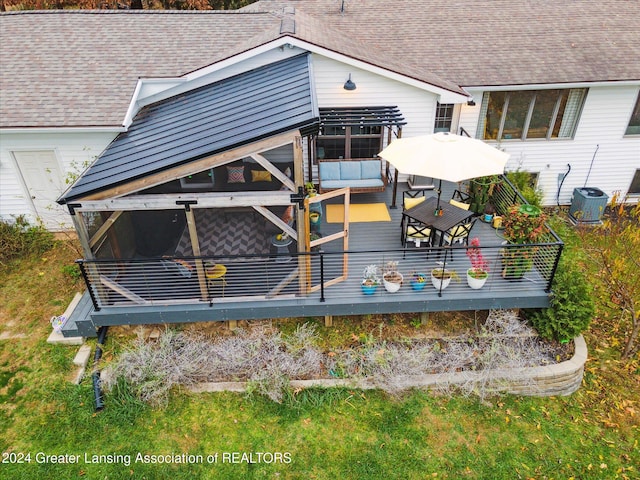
x=445, y=156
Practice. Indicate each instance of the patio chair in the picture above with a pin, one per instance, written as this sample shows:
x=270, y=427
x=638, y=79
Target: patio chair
x=459, y=233
x=455, y=203
x=415, y=232
x=411, y=198
x=460, y=196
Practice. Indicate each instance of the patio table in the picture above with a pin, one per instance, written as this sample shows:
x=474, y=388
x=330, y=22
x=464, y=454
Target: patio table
x=424, y=212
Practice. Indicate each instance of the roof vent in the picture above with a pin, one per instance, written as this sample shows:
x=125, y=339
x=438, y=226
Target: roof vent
x=288, y=22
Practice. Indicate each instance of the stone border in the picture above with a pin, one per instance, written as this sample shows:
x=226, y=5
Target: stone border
x=558, y=379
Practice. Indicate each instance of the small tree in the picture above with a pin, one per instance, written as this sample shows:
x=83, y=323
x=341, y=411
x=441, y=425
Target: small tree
x=614, y=249
x=571, y=307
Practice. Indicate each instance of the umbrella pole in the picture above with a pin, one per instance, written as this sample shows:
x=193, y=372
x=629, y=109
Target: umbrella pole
x=439, y=192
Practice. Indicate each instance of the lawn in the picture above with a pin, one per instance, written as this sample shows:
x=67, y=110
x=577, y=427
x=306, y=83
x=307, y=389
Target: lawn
x=47, y=423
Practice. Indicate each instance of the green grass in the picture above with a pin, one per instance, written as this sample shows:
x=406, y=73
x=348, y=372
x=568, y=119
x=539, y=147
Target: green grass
x=337, y=433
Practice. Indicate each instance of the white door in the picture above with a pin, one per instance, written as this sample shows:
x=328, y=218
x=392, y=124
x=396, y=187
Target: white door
x=44, y=184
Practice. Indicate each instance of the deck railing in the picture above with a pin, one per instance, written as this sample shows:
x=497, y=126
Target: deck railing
x=319, y=276
x=312, y=277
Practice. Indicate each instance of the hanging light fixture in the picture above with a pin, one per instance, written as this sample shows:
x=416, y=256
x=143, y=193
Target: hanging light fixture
x=349, y=85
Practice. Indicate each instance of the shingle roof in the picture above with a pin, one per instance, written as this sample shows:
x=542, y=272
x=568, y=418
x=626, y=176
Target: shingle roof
x=493, y=42
x=263, y=102
x=80, y=68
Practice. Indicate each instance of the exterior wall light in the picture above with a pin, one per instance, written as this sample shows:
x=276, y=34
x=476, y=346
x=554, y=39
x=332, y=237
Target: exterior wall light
x=349, y=85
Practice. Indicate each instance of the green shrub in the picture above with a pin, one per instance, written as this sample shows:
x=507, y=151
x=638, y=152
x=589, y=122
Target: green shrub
x=20, y=238
x=72, y=271
x=571, y=307
x=525, y=183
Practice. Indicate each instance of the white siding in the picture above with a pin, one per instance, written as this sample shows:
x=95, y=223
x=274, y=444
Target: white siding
x=73, y=150
x=417, y=106
x=599, y=139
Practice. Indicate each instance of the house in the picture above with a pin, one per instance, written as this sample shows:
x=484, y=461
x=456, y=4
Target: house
x=202, y=125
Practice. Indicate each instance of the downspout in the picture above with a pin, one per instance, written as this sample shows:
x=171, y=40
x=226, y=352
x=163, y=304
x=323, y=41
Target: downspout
x=95, y=376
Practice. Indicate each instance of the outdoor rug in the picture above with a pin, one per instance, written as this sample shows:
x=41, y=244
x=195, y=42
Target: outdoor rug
x=359, y=213
x=236, y=233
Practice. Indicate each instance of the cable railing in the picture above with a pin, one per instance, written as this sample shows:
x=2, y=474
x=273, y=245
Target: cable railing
x=322, y=276
x=312, y=277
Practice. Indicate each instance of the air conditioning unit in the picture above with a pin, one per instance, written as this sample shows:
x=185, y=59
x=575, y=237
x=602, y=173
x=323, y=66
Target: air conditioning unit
x=587, y=205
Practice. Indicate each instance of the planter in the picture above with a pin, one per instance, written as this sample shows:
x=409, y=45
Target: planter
x=474, y=282
x=368, y=288
x=314, y=218
x=418, y=282
x=517, y=261
x=392, y=281
x=440, y=279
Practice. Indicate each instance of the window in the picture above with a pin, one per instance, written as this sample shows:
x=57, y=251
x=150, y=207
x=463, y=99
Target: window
x=357, y=141
x=634, y=189
x=444, y=117
x=634, y=123
x=530, y=114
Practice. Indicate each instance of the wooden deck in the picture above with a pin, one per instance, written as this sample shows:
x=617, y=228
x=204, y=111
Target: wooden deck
x=369, y=242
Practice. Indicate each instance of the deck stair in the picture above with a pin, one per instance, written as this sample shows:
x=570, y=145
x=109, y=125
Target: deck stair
x=79, y=323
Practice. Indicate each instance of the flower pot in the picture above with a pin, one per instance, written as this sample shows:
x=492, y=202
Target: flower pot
x=474, y=282
x=392, y=281
x=368, y=288
x=314, y=218
x=418, y=282
x=440, y=281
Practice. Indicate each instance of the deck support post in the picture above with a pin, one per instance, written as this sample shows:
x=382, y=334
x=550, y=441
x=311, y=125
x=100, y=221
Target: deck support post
x=232, y=324
x=328, y=320
x=424, y=318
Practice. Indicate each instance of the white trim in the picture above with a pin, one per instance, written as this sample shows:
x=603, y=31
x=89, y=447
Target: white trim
x=42, y=130
x=550, y=86
x=290, y=46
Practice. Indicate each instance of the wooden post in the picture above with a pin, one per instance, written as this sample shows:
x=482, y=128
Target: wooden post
x=424, y=318
x=195, y=245
x=328, y=320
x=232, y=324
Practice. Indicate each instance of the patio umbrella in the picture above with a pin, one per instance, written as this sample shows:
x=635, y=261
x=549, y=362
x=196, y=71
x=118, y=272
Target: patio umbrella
x=445, y=156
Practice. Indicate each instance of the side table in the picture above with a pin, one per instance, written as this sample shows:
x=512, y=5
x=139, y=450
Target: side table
x=282, y=248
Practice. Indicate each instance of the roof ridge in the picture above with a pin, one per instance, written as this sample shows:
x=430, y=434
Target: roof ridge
x=133, y=12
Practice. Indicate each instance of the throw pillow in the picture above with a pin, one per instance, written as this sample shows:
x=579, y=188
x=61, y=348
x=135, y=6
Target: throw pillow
x=235, y=174
x=287, y=216
x=260, y=176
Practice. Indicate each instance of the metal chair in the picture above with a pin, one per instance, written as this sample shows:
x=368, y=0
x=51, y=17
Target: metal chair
x=411, y=198
x=416, y=232
x=459, y=233
x=460, y=196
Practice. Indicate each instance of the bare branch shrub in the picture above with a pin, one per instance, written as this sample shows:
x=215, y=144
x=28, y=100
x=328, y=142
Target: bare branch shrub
x=267, y=360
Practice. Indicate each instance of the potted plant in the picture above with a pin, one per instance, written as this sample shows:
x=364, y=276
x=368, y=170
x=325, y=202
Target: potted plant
x=310, y=189
x=418, y=281
x=314, y=218
x=391, y=277
x=480, y=191
x=523, y=225
x=479, y=272
x=441, y=277
x=370, y=279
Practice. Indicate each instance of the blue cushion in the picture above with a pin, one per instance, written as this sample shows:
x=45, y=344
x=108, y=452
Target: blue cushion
x=371, y=182
x=329, y=170
x=350, y=170
x=370, y=169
